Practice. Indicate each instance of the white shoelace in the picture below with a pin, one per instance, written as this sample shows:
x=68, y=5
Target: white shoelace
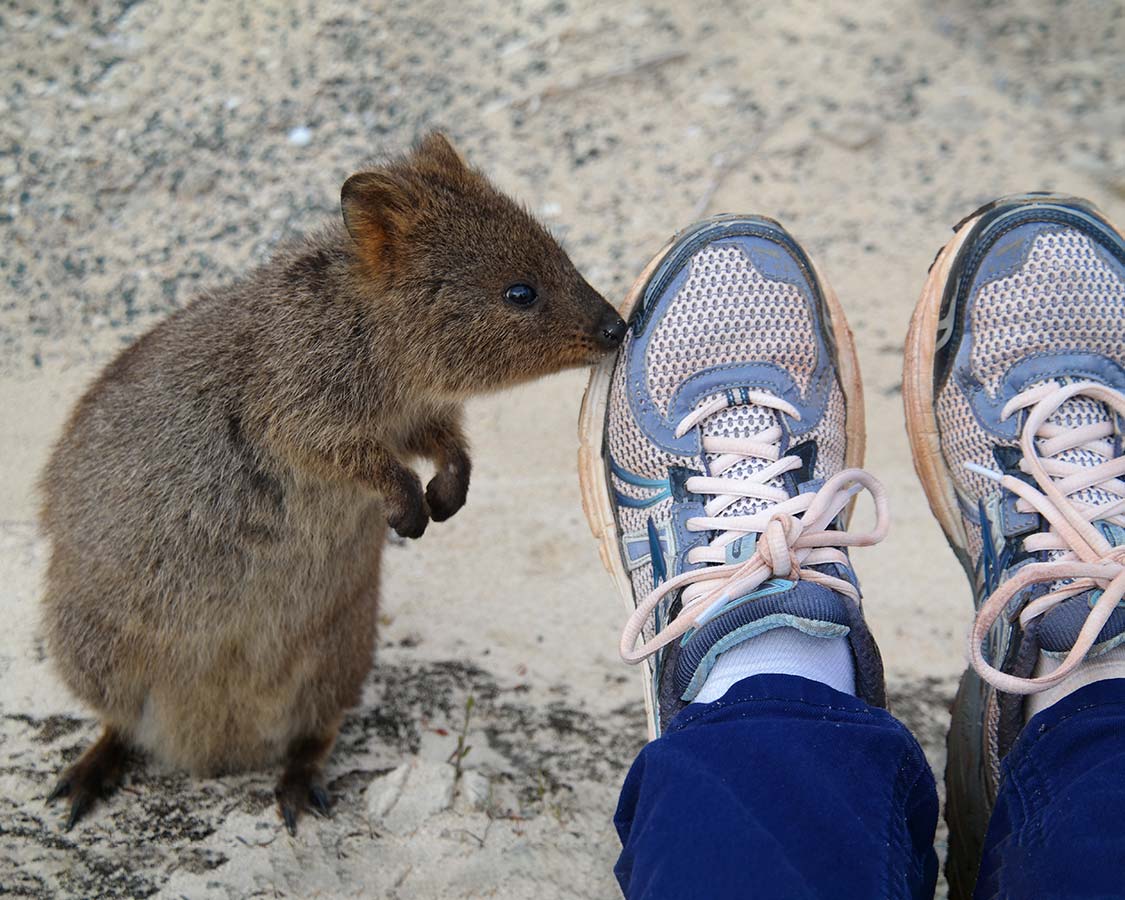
x=792, y=531
x=1086, y=559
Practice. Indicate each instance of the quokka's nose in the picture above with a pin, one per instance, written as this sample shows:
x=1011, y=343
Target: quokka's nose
x=611, y=330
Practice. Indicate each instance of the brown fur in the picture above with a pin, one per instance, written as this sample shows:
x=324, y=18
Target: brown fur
x=217, y=503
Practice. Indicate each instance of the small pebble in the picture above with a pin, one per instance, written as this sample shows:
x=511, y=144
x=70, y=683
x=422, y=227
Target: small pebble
x=300, y=136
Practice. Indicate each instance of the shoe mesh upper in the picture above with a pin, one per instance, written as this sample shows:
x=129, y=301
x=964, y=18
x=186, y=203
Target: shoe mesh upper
x=964, y=440
x=631, y=449
x=627, y=444
x=830, y=435
x=1065, y=297
x=728, y=312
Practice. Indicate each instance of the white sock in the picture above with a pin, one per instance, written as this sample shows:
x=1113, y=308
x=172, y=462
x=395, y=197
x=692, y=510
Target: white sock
x=1110, y=664
x=782, y=651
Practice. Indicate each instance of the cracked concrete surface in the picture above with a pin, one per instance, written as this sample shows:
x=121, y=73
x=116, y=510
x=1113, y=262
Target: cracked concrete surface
x=149, y=150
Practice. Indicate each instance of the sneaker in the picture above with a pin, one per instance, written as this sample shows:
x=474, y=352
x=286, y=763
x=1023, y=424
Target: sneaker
x=1013, y=385
x=714, y=455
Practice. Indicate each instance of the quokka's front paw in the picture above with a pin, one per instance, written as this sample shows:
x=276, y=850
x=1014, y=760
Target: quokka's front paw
x=409, y=513
x=446, y=493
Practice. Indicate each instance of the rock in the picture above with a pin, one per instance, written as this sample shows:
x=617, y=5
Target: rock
x=852, y=132
x=474, y=792
x=403, y=799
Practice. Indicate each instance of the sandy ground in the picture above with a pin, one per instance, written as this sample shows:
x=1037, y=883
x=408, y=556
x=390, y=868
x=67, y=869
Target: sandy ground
x=150, y=149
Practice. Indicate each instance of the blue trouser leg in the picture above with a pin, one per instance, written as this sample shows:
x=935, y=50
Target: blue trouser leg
x=782, y=788
x=1058, y=827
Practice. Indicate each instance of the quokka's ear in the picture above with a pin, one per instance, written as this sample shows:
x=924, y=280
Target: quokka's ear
x=377, y=208
x=436, y=150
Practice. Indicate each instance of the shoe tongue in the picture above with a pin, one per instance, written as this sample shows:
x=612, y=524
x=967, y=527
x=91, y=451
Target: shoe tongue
x=742, y=421
x=746, y=420
x=1074, y=413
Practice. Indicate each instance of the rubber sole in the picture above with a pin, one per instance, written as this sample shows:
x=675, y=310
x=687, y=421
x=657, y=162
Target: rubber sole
x=592, y=472
x=970, y=785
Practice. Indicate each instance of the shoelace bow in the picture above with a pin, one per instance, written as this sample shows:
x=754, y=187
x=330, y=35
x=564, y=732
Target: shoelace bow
x=792, y=532
x=1089, y=561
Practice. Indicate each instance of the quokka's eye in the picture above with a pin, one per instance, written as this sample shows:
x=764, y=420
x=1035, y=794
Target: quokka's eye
x=521, y=295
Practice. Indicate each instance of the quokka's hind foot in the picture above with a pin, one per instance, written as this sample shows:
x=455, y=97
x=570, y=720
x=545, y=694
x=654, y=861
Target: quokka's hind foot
x=95, y=776
x=301, y=784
